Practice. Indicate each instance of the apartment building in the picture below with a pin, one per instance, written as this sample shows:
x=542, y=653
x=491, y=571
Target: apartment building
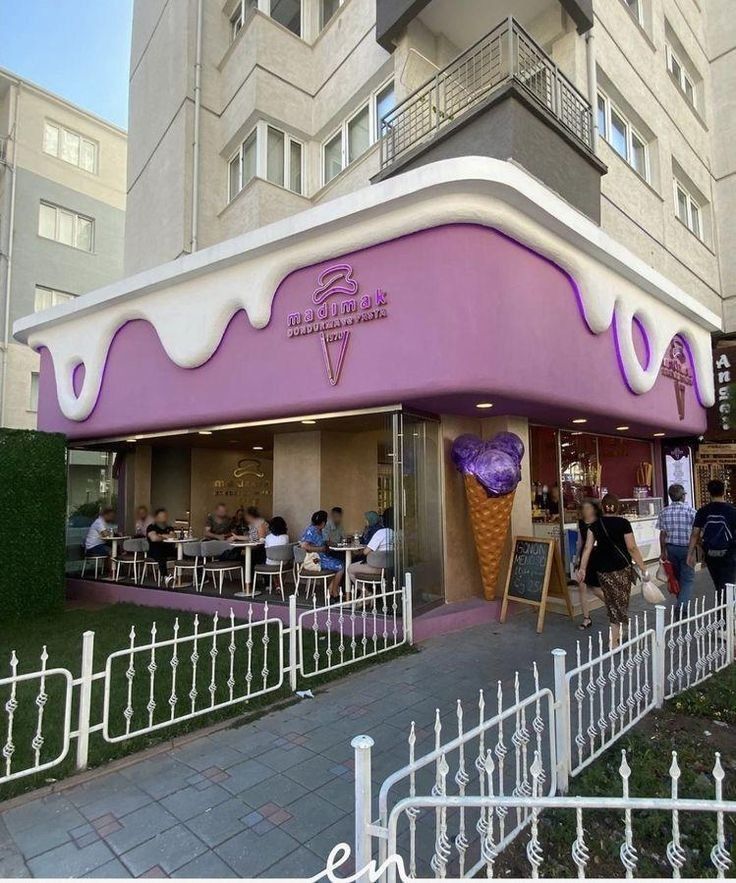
x=357, y=229
x=62, y=210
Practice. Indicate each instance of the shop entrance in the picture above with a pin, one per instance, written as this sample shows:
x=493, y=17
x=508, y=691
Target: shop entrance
x=373, y=465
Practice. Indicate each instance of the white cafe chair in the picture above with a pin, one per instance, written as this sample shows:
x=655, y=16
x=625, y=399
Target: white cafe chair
x=216, y=568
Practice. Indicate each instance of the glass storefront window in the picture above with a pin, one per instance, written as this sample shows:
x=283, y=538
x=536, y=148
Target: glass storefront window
x=90, y=486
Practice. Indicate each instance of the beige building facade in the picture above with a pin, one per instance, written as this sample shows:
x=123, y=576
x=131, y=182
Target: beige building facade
x=62, y=209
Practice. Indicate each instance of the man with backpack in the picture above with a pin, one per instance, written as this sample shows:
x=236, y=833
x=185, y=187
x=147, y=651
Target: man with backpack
x=714, y=528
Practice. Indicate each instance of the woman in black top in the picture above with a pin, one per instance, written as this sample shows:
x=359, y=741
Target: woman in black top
x=590, y=511
x=613, y=538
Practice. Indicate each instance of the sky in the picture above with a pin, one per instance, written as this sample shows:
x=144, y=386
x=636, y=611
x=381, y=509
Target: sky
x=79, y=49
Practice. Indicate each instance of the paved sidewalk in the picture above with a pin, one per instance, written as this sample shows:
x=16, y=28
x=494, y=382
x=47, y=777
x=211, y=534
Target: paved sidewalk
x=270, y=798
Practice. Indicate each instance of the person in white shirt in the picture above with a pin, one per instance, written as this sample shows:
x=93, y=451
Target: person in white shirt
x=278, y=536
x=142, y=520
x=381, y=541
x=102, y=526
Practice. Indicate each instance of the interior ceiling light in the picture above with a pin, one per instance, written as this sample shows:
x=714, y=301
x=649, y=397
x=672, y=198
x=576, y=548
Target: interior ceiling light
x=257, y=447
x=659, y=434
x=622, y=428
x=205, y=432
x=484, y=405
x=580, y=420
x=309, y=422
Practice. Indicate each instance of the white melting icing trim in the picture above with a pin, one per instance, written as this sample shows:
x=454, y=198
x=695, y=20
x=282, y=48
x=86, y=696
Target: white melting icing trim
x=190, y=301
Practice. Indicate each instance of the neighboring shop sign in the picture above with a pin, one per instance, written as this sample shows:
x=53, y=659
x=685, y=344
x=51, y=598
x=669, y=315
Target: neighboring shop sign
x=675, y=365
x=722, y=416
x=678, y=469
x=338, y=309
x=717, y=453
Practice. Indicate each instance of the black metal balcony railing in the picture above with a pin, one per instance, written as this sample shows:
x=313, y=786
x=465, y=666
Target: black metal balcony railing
x=507, y=54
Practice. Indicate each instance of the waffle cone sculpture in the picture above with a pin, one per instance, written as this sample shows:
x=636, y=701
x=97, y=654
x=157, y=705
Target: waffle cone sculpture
x=490, y=518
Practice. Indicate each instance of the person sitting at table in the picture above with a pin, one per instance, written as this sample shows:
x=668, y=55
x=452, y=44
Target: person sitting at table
x=156, y=532
x=334, y=533
x=257, y=525
x=278, y=535
x=372, y=524
x=239, y=525
x=218, y=525
x=313, y=541
x=103, y=526
x=141, y=521
x=381, y=541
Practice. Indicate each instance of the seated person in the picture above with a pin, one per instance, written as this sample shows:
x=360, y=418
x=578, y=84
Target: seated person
x=381, y=541
x=372, y=524
x=103, y=526
x=239, y=525
x=218, y=525
x=334, y=532
x=553, y=503
x=313, y=541
x=141, y=521
x=157, y=531
x=255, y=531
x=278, y=535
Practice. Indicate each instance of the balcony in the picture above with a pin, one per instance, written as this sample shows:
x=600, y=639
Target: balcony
x=502, y=97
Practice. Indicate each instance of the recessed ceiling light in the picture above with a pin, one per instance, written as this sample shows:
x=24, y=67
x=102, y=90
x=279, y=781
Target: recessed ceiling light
x=484, y=405
x=309, y=422
x=257, y=447
x=205, y=432
x=580, y=420
x=659, y=434
x=621, y=428
x=131, y=440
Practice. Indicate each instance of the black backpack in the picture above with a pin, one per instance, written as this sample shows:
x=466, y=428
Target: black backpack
x=716, y=536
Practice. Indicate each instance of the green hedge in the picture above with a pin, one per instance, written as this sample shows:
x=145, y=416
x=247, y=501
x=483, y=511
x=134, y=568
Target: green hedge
x=32, y=521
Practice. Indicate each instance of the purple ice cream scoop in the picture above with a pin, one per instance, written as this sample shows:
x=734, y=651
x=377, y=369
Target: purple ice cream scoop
x=510, y=443
x=497, y=471
x=463, y=451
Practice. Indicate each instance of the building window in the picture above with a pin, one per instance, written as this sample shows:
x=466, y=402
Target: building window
x=622, y=136
x=66, y=226
x=33, y=392
x=70, y=146
x=327, y=9
x=357, y=133
x=688, y=210
x=634, y=7
x=286, y=12
x=680, y=75
x=50, y=297
x=240, y=15
x=282, y=160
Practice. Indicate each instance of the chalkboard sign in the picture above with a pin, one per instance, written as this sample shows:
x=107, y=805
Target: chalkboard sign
x=535, y=572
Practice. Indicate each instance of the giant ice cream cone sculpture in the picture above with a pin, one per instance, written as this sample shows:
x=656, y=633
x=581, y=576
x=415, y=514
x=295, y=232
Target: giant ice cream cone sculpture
x=491, y=471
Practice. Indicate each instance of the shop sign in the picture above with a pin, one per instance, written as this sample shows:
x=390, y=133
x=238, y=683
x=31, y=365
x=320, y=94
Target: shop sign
x=248, y=481
x=717, y=453
x=678, y=469
x=338, y=308
x=675, y=365
x=722, y=416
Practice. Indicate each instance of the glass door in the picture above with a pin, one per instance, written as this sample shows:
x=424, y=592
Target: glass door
x=419, y=513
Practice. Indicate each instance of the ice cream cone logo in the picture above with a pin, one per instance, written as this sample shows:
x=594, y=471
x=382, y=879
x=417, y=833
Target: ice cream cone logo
x=676, y=366
x=337, y=309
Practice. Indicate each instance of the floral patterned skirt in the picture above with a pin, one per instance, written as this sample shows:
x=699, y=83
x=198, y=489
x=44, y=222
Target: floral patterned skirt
x=616, y=587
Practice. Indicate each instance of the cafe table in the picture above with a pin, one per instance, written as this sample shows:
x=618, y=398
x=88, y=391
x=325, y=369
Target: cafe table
x=348, y=550
x=248, y=563
x=180, y=543
x=114, y=540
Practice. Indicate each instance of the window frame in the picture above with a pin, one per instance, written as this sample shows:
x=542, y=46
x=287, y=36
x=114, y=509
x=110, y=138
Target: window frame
x=240, y=15
x=66, y=297
x=631, y=132
x=637, y=14
x=35, y=386
x=83, y=139
x=683, y=77
x=373, y=134
x=690, y=202
x=76, y=216
x=260, y=130
x=323, y=24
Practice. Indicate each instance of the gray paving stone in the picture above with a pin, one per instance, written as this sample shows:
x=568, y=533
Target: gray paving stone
x=245, y=774
x=218, y=824
x=159, y=776
x=206, y=753
x=313, y=772
x=55, y=810
x=310, y=815
x=12, y=863
x=114, y=870
x=340, y=792
x=277, y=789
x=120, y=800
x=280, y=759
x=249, y=853
x=324, y=841
x=191, y=801
x=208, y=866
x=300, y=864
x=168, y=850
x=69, y=861
x=140, y=826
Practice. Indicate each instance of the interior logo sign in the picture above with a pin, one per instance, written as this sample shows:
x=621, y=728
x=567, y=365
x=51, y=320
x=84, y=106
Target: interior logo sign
x=338, y=309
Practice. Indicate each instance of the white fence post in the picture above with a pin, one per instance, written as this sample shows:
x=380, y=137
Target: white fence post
x=363, y=805
x=730, y=598
x=562, y=721
x=408, y=609
x=293, y=661
x=85, y=699
x=660, y=655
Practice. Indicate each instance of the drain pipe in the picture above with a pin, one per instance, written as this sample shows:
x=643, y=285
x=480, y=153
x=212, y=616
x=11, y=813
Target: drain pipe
x=592, y=87
x=194, y=244
x=9, y=256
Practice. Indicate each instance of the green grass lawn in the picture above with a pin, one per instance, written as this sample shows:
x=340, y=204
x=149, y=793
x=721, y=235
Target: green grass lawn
x=696, y=724
x=183, y=686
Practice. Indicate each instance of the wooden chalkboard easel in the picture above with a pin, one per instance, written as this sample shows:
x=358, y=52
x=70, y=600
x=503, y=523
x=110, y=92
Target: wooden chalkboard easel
x=535, y=573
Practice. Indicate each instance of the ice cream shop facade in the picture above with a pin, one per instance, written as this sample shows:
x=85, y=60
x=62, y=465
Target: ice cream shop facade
x=332, y=358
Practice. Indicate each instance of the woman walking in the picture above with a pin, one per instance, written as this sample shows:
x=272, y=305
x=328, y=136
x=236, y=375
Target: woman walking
x=590, y=512
x=613, y=539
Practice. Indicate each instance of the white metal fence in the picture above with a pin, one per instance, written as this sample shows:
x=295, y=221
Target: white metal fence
x=165, y=680
x=454, y=808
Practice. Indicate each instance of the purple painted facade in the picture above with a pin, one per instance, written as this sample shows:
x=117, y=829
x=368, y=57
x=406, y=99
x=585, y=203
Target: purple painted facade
x=450, y=315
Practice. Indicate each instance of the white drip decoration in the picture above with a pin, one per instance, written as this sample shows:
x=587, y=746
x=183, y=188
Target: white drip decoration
x=191, y=301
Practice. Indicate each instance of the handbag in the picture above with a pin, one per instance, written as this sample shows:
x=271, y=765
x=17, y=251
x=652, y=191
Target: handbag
x=311, y=563
x=651, y=593
x=666, y=574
